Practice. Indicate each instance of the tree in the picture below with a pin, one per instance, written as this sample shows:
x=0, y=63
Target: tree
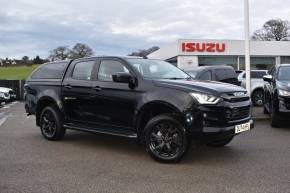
x=80, y=50
x=25, y=60
x=59, y=53
x=37, y=60
x=144, y=53
x=273, y=30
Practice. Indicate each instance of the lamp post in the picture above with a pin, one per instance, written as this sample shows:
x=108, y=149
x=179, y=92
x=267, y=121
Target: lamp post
x=247, y=46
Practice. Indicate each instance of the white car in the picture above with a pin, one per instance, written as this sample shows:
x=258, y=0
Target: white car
x=8, y=94
x=257, y=85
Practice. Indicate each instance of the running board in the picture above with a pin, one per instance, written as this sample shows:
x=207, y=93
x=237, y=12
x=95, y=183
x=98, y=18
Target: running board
x=103, y=131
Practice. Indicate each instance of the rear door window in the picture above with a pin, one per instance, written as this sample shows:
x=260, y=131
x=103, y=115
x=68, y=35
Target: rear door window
x=83, y=70
x=50, y=71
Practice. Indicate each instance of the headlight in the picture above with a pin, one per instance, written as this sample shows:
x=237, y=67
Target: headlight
x=284, y=93
x=205, y=99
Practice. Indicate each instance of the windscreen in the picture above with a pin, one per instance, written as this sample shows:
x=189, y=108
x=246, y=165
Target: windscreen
x=284, y=73
x=157, y=69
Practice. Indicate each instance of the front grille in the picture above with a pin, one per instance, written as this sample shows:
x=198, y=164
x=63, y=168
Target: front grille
x=237, y=113
x=234, y=98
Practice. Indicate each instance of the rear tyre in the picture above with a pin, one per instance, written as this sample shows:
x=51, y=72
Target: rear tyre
x=221, y=143
x=258, y=97
x=51, y=124
x=165, y=139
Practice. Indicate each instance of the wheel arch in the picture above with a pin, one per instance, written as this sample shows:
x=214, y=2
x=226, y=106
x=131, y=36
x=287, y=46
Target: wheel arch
x=42, y=103
x=152, y=109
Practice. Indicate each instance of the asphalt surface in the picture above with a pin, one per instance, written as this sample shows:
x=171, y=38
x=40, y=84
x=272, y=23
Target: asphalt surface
x=256, y=161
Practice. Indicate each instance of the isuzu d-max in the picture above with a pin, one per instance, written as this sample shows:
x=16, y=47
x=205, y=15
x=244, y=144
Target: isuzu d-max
x=150, y=100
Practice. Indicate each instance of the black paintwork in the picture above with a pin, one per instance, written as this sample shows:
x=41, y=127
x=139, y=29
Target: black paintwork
x=123, y=109
x=273, y=101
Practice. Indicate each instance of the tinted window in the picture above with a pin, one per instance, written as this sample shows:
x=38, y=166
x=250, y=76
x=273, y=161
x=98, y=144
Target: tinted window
x=220, y=74
x=50, y=71
x=284, y=73
x=205, y=76
x=256, y=74
x=108, y=68
x=83, y=70
x=231, y=73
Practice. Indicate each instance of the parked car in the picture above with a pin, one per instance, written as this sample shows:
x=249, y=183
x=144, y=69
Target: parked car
x=224, y=74
x=257, y=85
x=1, y=98
x=277, y=94
x=150, y=100
x=8, y=93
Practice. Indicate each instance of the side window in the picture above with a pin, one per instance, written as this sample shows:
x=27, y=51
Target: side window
x=50, y=71
x=257, y=74
x=83, y=70
x=220, y=74
x=205, y=76
x=230, y=74
x=110, y=67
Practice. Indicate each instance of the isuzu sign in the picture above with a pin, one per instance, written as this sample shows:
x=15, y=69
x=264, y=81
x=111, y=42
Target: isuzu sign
x=203, y=47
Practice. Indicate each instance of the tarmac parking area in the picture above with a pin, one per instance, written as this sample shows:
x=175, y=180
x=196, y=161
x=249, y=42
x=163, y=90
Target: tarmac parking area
x=256, y=161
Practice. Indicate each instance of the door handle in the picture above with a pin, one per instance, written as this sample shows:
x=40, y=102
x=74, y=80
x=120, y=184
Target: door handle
x=97, y=88
x=68, y=86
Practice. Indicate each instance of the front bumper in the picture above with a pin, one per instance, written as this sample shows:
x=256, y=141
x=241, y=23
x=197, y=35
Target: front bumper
x=211, y=123
x=216, y=133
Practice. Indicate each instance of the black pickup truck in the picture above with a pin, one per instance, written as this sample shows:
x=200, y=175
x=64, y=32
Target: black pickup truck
x=150, y=100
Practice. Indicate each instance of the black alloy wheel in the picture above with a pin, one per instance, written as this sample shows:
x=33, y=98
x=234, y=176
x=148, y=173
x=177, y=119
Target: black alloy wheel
x=166, y=139
x=48, y=124
x=51, y=124
x=258, y=97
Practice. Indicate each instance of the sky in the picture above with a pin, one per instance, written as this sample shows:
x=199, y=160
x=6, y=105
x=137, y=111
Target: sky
x=119, y=27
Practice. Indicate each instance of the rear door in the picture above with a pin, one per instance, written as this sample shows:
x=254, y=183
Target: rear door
x=77, y=91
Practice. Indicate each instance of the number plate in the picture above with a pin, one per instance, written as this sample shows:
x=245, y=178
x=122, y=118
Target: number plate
x=242, y=127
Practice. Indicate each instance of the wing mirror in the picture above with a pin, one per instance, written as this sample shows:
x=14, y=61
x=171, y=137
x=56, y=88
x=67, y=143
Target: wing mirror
x=124, y=77
x=268, y=78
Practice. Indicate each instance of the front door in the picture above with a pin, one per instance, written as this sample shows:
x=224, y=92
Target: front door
x=115, y=103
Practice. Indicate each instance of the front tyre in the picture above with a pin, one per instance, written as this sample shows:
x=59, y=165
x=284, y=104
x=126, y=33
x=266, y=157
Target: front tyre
x=221, y=143
x=51, y=124
x=165, y=139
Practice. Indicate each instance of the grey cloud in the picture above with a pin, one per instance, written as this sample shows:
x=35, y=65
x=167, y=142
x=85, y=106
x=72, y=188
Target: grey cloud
x=30, y=27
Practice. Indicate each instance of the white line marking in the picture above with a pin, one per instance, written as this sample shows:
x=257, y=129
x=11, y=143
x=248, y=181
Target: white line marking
x=6, y=107
x=2, y=121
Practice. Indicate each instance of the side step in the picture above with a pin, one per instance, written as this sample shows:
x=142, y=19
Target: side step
x=114, y=132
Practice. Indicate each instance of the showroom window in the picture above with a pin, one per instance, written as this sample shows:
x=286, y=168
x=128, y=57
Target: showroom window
x=258, y=63
x=218, y=60
x=285, y=59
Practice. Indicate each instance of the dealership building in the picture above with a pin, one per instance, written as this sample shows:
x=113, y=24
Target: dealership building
x=190, y=53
